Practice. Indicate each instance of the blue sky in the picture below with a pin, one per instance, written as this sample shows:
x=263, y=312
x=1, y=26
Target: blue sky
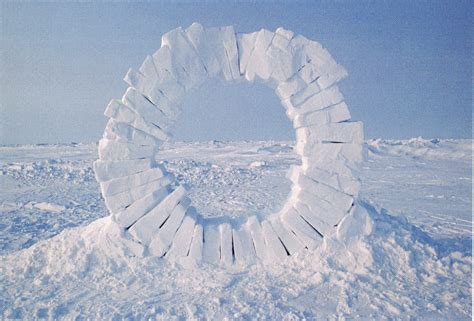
x=409, y=64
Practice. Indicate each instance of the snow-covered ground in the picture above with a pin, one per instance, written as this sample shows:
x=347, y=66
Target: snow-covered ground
x=416, y=263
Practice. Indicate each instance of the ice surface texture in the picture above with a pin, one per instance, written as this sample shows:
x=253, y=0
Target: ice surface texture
x=154, y=212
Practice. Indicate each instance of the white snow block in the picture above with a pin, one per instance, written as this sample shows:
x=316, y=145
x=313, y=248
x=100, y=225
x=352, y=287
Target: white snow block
x=158, y=90
x=182, y=240
x=285, y=61
x=114, y=150
x=195, y=251
x=118, y=202
x=259, y=63
x=211, y=251
x=245, y=45
x=320, y=100
x=330, y=71
x=138, y=208
x=277, y=252
x=109, y=169
x=123, y=114
x=303, y=231
x=244, y=250
x=145, y=108
x=184, y=55
x=287, y=237
x=334, y=166
x=313, y=216
x=121, y=184
x=125, y=133
x=162, y=240
x=217, y=48
x=350, y=132
x=227, y=257
x=148, y=224
x=255, y=230
x=333, y=114
x=290, y=87
x=351, y=154
x=345, y=184
x=162, y=90
x=324, y=193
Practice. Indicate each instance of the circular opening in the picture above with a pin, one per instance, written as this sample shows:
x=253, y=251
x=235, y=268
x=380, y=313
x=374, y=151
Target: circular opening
x=232, y=145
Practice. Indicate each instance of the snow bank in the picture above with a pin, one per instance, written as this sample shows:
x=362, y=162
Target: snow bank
x=395, y=271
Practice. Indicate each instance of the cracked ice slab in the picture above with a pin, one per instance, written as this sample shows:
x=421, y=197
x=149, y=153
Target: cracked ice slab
x=124, y=133
x=121, y=184
x=333, y=114
x=182, y=240
x=144, y=107
x=139, y=208
x=217, y=48
x=148, y=224
x=163, y=238
x=184, y=56
x=322, y=195
x=115, y=150
x=124, y=114
x=118, y=202
x=347, y=132
x=109, y=169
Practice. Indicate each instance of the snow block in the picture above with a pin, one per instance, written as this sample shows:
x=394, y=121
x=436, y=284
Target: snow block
x=313, y=216
x=118, y=202
x=333, y=114
x=121, y=184
x=351, y=154
x=145, y=228
x=287, y=237
x=109, y=169
x=217, y=48
x=211, y=251
x=277, y=252
x=255, y=230
x=138, y=208
x=245, y=45
x=324, y=193
x=161, y=241
x=125, y=133
x=145, y=108
x=301, y=104
x=345, y=184
x=290, y=87
x=244, y=250
x=350, y=132
x=300, y=227
x=182, y=240
x=114, y=150
x=259, y=64
x=195, y=251
x=227, y=257
x=123, y=114
x=185, y=56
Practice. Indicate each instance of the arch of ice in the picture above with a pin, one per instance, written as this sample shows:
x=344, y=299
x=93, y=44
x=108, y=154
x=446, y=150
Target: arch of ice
x=152, y=209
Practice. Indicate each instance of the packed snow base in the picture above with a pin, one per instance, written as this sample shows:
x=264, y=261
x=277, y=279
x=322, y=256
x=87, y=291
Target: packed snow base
x=399, y=271
x=155, y=214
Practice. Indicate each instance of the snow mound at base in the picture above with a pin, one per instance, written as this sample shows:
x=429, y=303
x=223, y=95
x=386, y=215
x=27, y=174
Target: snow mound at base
x=386, y=268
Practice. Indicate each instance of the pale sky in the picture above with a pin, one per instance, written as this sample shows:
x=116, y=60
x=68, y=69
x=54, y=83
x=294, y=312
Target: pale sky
x=409, y=64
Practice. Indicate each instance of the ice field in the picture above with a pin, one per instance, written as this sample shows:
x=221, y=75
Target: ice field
x=415, y=263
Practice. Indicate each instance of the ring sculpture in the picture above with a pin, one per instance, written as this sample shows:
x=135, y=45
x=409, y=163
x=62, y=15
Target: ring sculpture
x=152, y=209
